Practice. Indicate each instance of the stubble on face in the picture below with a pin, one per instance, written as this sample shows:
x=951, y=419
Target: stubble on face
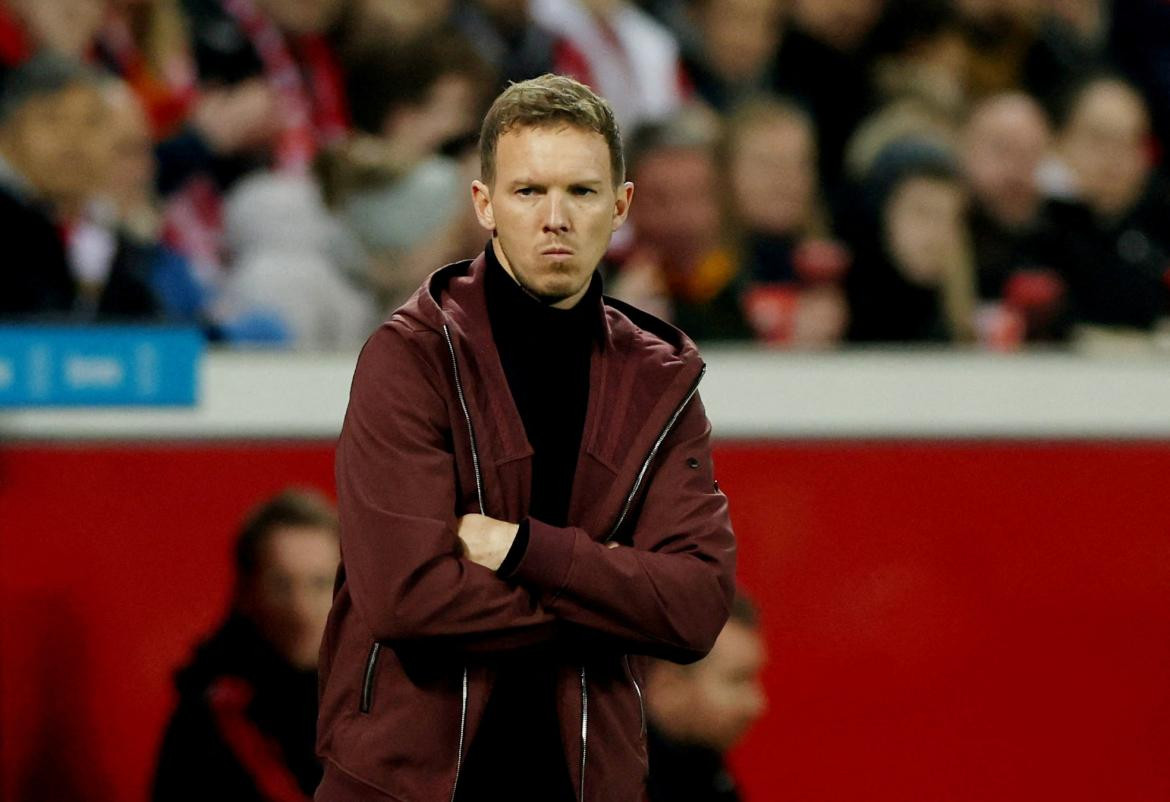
x=552, y=209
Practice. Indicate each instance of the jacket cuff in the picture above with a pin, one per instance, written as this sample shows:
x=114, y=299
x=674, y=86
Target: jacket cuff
x=515, y=552
x=545, y=563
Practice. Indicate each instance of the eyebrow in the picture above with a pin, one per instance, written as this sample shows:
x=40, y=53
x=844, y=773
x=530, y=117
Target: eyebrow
x=587, y=182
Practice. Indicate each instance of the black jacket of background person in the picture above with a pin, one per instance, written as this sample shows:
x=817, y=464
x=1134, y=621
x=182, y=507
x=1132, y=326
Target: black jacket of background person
x=244, y=726
x=686, y=772
x=35, y=280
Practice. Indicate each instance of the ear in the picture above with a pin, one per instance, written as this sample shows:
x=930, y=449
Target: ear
x=481, y=199
x=621, y=205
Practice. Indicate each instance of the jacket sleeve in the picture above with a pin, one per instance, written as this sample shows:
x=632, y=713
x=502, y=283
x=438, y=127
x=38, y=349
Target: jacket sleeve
x=669, y=595
x=396, y=488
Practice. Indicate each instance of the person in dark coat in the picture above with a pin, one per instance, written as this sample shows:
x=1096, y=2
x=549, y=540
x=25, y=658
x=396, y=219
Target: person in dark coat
x=244, y=726
x=58, y=265
x=697, y=712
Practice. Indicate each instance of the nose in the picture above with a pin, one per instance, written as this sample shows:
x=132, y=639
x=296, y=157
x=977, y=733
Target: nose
x=555, y=218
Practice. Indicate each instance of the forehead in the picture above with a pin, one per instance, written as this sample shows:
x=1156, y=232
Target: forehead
x=552, y=154
x=298, y=549
x=1110, y=103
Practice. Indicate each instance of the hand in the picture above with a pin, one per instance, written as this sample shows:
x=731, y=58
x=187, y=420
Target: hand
x=486, y=541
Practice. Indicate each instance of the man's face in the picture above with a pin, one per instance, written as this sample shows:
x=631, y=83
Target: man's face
x=1105, y=145
x=290, y=596
x=717, y=699
x=678, y=214
x=774, y=175
x=740, y=36
x=552, y=207
x=924, y=228
x=50, y=142
x=1004, y=145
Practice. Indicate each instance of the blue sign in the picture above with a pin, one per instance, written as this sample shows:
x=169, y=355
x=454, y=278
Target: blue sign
x=57, y=366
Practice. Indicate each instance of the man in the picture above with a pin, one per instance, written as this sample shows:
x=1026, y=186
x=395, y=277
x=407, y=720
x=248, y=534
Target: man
x=698, y=712
x=526, y=498
x=247, y=701
x=1005, y=142
x=58, y=264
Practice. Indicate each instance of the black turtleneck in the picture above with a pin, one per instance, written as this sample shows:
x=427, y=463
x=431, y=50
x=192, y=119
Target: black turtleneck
x=545, y=354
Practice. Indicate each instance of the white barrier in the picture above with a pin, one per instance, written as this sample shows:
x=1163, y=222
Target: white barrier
x=749, y=394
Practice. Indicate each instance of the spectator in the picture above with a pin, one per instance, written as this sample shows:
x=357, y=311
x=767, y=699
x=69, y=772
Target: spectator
x=397, y=22
x=922, y=53
x=389, y=184
x=1005, y=143
x=290, y=279
x=736, y=43
x=1072, y=39
x=1001, y=34
x=247, y=713
x=682, y=265
x=697, y=712
x=769, y=156
x=1140, y=44
x=53, y=157
x=620, y=51
x=283, y=55
x=824, y=63
x=132, y=214
x=911, y=280
x=505, y=35
x=145, y=43
x=1110, y=236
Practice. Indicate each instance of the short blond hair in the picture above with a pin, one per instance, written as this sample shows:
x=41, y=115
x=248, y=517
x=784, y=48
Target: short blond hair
x=549, y=100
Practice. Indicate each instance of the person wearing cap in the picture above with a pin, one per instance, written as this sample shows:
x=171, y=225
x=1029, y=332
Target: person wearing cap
x=527, y=500
x=56, y=266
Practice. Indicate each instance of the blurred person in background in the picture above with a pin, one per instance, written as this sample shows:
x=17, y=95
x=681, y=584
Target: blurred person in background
x=506, y=36
x=1002, y=34
x=245, y=722
x=697, y=712
x=911, y=279
x=1110, y=236
x=619, y=50
x=921, y=52
x=62, y=258
x=682, y=264
x=794, y=269
x=396, y=22
x=1005, y=143
x=131, y=211
x=396, y=182
x=279, y=57
x=730, y=57
x=295, y=270
x=1139, y=42
x=824, y=64
x=1072, y=39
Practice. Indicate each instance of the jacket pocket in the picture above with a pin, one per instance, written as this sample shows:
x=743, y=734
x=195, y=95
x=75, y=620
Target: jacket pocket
x=367, y=699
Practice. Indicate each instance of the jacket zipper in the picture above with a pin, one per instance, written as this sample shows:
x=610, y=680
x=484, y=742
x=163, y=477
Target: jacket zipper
x=638, y=691
x=368, y=679
x=653, y=453
x=584, y=732
x=479, y=497
x=613, y=532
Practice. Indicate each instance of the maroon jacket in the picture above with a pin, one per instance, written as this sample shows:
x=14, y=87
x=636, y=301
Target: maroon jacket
x=432, y=433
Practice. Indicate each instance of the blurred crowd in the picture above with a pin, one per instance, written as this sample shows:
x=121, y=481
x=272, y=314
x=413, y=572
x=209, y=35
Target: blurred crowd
x=808, y=173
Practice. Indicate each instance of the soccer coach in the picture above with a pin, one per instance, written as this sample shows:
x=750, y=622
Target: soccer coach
x=527, y=499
